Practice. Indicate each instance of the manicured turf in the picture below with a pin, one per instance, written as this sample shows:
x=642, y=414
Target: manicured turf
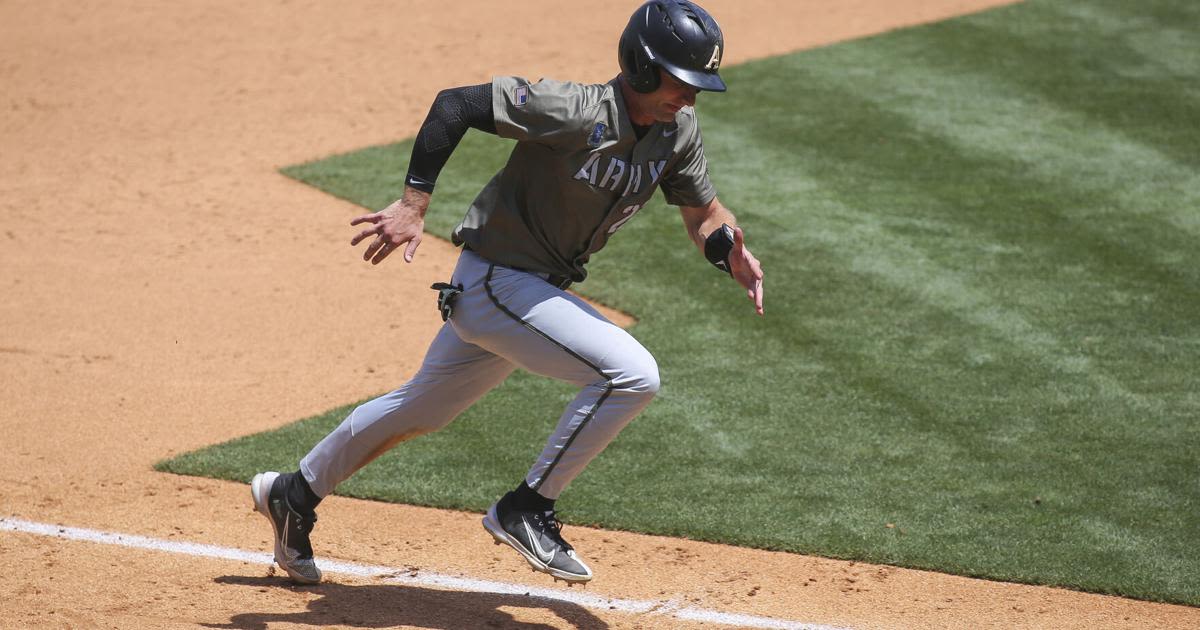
x=981, y=353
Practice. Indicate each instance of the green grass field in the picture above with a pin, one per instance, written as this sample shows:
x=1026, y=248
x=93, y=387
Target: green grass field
x=981, y=353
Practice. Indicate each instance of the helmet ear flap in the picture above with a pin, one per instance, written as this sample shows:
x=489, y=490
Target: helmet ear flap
x=641, y=73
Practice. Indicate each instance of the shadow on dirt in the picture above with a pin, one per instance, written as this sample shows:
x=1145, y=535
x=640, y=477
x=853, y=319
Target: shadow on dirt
x=390, y=605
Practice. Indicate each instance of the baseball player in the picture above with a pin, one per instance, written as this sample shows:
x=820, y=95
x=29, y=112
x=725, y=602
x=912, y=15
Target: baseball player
x=587, y=159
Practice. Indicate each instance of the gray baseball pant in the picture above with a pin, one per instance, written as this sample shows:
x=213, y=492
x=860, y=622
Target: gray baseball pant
x=505, y=318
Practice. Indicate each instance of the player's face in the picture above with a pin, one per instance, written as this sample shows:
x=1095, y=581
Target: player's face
x=671, y=96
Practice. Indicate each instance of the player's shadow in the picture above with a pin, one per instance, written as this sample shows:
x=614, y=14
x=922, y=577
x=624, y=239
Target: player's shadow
x=390, y=605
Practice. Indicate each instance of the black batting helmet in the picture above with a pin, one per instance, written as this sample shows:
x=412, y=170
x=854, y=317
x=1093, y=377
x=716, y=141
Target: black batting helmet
x=677, y=36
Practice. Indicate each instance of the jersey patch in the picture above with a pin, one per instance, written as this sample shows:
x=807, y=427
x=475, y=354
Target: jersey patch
x=521, y=96
x=597, y=137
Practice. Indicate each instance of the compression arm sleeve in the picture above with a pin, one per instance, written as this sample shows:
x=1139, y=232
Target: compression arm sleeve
x=453, y=112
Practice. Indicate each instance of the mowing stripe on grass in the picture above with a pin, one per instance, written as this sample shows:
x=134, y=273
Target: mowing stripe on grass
x=669, y=608
x=905, y=267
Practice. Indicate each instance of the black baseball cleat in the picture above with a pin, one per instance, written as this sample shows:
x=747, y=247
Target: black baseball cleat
x=293, y=552
x=536, y=536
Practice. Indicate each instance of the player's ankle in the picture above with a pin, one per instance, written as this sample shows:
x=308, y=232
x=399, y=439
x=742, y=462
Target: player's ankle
x=300, y=495
x=527, y=499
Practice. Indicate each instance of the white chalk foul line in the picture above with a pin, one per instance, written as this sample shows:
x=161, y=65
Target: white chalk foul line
x=423, y=578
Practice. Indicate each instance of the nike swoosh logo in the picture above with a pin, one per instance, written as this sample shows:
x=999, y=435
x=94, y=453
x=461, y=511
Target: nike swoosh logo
x=668, y=134
x=533, y=542
x=286, y=550
x=417, y=181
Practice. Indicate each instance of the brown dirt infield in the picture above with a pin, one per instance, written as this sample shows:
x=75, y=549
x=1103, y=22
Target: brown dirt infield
x=165, y=288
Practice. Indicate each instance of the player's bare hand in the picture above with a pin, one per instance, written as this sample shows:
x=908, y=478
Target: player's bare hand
x=746, y=270
x=400, y=224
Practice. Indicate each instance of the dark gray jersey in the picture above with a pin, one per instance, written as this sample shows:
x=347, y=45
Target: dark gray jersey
x=577, y=173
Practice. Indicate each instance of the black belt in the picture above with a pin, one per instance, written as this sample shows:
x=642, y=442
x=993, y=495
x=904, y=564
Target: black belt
x=555, y=280
x=559, y=282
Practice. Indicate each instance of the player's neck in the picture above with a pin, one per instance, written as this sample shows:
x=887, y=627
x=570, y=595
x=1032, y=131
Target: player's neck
x=634, y=105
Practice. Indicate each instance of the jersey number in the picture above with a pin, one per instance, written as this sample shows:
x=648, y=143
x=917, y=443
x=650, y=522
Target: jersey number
x=629, y=211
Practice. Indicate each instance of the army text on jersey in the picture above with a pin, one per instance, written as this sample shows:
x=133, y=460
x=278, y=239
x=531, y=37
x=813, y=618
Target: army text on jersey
x=576, y=175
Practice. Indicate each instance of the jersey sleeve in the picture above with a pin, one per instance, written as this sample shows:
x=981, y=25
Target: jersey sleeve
x=687, y=182
x=547, y=112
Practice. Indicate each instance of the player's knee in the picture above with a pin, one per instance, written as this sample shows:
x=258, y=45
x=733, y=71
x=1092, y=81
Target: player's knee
x=640, y=376
x=650, y=380
x=651, y=383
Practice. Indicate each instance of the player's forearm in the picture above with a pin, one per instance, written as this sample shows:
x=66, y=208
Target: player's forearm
x=703, y=221
x=453, y=112
x=720, y=215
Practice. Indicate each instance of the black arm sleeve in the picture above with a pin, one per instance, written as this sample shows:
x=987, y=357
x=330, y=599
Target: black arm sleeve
x=453, y=112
